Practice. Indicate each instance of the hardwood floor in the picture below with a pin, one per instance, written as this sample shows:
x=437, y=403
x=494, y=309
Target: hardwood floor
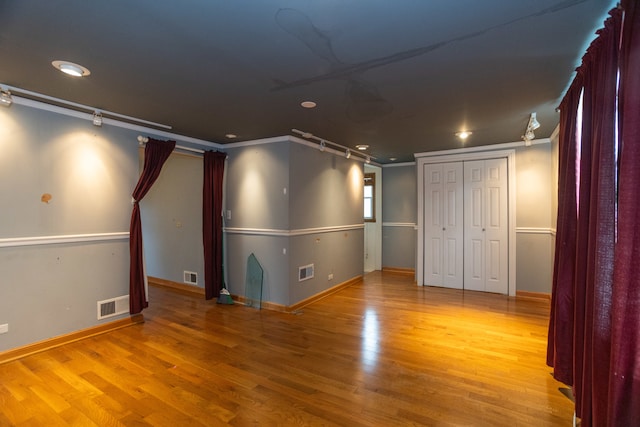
x=379, y=353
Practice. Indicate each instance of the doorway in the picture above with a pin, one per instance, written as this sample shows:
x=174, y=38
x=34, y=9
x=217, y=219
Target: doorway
x=372, y=214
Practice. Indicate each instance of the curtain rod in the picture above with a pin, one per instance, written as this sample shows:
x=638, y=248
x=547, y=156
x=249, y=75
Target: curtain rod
x=144, y=139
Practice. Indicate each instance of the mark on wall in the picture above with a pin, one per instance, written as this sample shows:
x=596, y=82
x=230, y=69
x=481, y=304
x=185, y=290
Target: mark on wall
x=46, y=198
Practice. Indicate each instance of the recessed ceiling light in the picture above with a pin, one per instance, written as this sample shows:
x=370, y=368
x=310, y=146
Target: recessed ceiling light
x=393, y=159
x=71, y=69
x=231, y=135
x=308, y=104
x=362, y=147
x=464, y=134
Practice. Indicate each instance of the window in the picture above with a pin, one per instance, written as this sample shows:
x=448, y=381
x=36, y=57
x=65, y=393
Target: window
x=370, y=197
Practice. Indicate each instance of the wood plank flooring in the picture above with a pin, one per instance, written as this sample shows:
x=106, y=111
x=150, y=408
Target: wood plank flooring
x=379, y=353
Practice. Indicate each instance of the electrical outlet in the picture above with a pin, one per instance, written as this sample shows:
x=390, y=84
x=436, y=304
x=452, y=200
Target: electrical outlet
x=4, y=328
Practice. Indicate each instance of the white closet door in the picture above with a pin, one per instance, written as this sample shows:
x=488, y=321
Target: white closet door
x=443, y=225
x=486, y=226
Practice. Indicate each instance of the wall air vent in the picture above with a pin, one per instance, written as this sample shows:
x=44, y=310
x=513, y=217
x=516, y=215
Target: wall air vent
x=113, y=307
x=305, y=272
x=191, y=278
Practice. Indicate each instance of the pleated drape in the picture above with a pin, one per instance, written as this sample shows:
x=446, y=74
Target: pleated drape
x=156, y=154
x=594, y=328
x=212, y=222
x=624, y=391
x=560, y=342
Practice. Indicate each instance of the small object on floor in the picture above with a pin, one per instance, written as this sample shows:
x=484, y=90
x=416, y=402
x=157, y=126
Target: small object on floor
x=225, y=297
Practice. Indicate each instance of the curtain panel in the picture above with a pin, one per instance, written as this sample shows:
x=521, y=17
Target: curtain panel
x=624, y=386
x=212, y=222
x=594, y=327
x=560, y=337
x=596, y=225
x=156, y=154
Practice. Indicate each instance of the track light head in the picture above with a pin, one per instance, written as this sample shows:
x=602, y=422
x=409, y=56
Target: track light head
x=322, y=145
x=97, y=118
x=5, y=98
x=347, y=153
x=531, y=126
x=533, y=122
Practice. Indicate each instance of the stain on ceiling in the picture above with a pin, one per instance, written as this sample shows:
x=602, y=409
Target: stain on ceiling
x=400, y=76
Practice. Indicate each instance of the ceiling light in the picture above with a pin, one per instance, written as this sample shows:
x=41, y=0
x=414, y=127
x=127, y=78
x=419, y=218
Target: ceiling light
x=71, y=69
x=362, y=147
x=463, y=134
x=97, y=118
x=322, y=145
x=231, y=135
x=5, y=98
x=393, y=159
x=308, y=104
x=347, y=153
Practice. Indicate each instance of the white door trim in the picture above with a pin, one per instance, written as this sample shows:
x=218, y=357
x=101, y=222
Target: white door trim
x=425, y=158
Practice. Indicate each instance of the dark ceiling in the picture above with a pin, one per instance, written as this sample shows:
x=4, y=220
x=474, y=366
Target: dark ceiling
x=399, y=75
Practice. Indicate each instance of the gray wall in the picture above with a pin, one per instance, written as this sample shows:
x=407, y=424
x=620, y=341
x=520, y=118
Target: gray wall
x=172, y=220
x=326, y=191
x=534, y=219
x=52, y=289
x=278, y=193
x=257, y=197
x=269, y=253
x=399, y=212
x=257, y=186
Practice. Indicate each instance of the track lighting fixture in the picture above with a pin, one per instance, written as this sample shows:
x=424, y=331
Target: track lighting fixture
x=5, y=98
x=97, y=118
x=531, y=126
x=324, y=145
x=23, y=96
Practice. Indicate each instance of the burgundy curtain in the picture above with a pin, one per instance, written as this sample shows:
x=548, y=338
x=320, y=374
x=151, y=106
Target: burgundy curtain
x=594, y=329
x=596, y=226
x=212, y=222
x=624, y=394
x=155, y=154
x=560, y=342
